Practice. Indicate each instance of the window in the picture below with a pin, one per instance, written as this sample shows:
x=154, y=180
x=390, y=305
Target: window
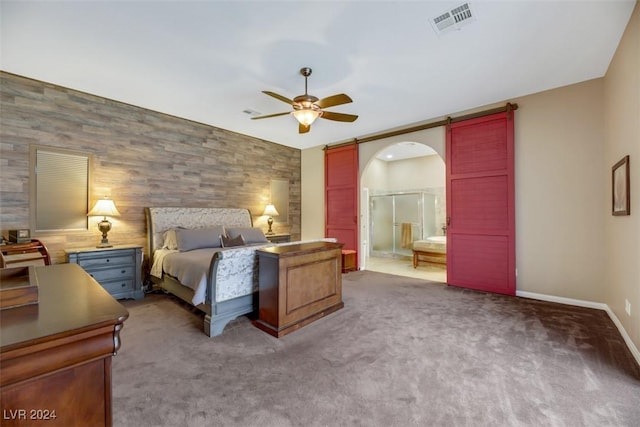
x=280, y=199
x=59, y=187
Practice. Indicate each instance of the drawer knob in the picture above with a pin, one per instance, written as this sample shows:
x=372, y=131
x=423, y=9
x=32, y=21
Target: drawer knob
x=123, y=271
x=123, y=285
x=108, y=259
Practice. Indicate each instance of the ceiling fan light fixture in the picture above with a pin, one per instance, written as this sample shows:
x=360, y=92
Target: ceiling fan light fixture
x=306, y=116
x=307, y=108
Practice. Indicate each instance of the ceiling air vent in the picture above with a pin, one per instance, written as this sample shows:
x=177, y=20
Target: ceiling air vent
x=453, y=19
x=251, y=112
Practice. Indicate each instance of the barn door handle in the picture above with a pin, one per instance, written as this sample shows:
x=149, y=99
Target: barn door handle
x=448, y=220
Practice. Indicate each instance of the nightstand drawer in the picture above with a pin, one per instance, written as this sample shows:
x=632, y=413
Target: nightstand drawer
x=106, y=261
x=119, y=286
x=118, y=269
x=116, y=273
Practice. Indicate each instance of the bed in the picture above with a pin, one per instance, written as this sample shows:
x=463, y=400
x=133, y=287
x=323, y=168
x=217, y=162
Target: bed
x=229, y=277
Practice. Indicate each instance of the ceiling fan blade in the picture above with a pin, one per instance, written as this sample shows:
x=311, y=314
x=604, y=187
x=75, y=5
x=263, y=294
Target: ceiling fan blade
x=338, y=117
x=303, y=128
x=270, y=115
x=332, y=101
x=280, y=97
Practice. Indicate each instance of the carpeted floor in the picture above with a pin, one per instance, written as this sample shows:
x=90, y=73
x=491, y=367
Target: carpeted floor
x=402, y=352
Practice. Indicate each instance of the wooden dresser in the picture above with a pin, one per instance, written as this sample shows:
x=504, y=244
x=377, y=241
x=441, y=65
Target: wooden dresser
x=55, y=356
x=299, y=283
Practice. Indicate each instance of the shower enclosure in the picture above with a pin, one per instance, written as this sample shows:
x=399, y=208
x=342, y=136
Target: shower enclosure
x=400, y=218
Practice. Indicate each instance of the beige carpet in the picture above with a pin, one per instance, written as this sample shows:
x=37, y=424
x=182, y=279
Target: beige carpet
x=403, y=352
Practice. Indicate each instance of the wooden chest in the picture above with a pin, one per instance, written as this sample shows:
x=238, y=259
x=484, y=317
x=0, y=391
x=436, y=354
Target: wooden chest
x=299, y=284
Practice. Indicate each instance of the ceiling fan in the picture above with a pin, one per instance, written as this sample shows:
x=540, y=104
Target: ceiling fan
x=307, y=108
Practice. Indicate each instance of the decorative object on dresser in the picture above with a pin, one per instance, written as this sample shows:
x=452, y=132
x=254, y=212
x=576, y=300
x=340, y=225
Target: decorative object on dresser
x=104, y=208
x=21, y=254
x=118, y=268
x=55, y=356
x=20, y=236
x=298, y=284
x=270, y=211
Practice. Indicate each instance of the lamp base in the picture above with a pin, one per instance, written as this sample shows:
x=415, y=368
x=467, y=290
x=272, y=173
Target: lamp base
x=269, y=231
x=104, y=226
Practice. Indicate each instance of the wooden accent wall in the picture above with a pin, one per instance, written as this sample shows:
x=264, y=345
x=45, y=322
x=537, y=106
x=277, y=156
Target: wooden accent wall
x=140, y=158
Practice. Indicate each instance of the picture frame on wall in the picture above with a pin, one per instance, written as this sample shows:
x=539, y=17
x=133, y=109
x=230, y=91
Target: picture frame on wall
x=620, y=182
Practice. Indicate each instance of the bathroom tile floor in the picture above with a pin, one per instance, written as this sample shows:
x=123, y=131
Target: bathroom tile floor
x=403, y=266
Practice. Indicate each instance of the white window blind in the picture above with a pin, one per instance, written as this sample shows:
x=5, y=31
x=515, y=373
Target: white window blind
x=61, y=191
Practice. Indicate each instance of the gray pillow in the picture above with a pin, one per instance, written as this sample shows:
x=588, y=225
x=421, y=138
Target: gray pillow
x=198, y=238
x=249, y=234
x=228, y=242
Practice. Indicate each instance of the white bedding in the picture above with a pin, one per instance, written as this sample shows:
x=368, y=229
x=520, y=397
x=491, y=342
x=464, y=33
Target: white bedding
x=430, y=246
x=191, y=269
x=158, y=259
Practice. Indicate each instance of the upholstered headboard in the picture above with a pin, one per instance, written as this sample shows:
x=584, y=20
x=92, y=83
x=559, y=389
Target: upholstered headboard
x=161, y=219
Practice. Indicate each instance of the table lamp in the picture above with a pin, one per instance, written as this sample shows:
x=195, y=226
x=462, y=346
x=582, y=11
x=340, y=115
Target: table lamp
x=271, y=211
x=104, y=208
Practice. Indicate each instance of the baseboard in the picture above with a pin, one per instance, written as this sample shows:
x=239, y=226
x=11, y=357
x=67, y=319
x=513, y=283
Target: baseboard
x=562, y=300
x=589, y=304
x=623, y=332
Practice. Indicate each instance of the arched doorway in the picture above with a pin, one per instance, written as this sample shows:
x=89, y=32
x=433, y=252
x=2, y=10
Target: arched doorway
x=402, y=202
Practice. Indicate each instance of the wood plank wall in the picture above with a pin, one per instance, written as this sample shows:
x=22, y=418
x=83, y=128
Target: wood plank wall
x=140, y=158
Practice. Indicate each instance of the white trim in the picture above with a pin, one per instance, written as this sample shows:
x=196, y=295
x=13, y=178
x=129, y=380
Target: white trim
x=623, y=332
x=562, y=300
x=588, y=304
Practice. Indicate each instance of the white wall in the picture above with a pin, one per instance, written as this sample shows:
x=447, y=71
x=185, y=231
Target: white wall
x=416, y=173
x=622, y=137
x=312, y=180
x=375, y=176
x=402, y=175
x=434, y=138
x=559, y=192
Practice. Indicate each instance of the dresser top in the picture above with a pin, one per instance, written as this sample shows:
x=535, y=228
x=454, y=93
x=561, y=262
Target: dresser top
x=69, y=301
x=96, y=249
x=299, y=248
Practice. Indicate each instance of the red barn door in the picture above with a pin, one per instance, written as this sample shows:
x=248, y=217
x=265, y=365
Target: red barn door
x=480, y=204
x=341, y=195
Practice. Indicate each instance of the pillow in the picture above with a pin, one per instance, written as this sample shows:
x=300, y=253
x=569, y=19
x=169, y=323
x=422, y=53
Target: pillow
x=198, y=238
x=170, y=240
x=228, y=242
x=249, y=234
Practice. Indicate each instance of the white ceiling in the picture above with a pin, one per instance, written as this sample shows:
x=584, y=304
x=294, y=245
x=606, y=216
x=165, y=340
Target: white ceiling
x=209, y=60
x=405, y=150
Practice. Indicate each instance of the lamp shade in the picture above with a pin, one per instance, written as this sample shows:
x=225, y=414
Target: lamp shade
x=104, y=207
x=306, y=116
x=270, y=210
